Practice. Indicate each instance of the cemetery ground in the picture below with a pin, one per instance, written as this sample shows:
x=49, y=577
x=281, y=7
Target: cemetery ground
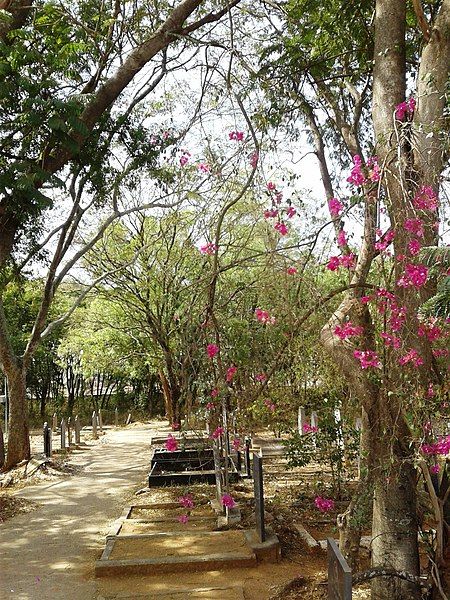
x=50, y=547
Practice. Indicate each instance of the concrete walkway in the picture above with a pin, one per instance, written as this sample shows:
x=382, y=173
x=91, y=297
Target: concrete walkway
x=49, y=554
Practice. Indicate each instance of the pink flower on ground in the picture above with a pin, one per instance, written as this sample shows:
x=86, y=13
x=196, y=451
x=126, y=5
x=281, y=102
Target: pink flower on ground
x=212, y=350
x=435, y=469
x=261, y=377
x=236, y=443
x=281, y=228
x=426, y=199
x=367, y=358
x=324, y=504
x=335, y=207
x=342, y=238
x=236, y=136
x=231, y=372
x=307, y=428
x=210, y=406
x=183, y=519
x=171, y=443
x=291, y=271
x=214, y=393
x=347, y=330
x=414, y=226
x=186, y=501
x=228, y=501
x=217, y=433
x=208, y=248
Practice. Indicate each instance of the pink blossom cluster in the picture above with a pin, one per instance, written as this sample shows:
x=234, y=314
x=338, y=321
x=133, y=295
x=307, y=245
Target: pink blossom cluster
x=183, y=519
x=414, y=247
x=398, y=317
x=270, y=405
x=186, y=501
x=290, y=212
x=324, y=504
x=237, y=136
x=171, y=443
x=261, y=377
x=216, y=433
x=281, y=227
x=405, y=108
x=270, y=213
x=357, y=176
x=264, y=317
x=254, y=158
x=341, y=238
x=426, y=199
x=435, y=469
x=335, y=207
x=291, y=271
x=412, y=357
x=214, y=393
x=442, y=446
x=385, y=239
x=346, y=260
x=307, y=428
x=391, y=340
x=414, y=226
x=277, y=195
x=212, y=350
x=367, y=358
x=204, y=167
x=228, y=501
x=347, y=330
x=184, y=159
x=440, y=352
x=236, y=444
x=413, y=275
x=208, y=248
x=431, y=332
x=210, y=406
x=231, y=372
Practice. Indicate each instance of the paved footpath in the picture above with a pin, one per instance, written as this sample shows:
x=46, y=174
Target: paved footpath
x=49, y=553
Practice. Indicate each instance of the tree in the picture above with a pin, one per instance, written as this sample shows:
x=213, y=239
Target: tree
x=58, y=118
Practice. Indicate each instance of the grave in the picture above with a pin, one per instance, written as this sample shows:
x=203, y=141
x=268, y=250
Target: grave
x=339, y=574
x=184, y=467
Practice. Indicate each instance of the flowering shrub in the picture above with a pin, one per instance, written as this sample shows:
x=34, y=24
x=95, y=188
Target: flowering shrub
x=324, y=504
x=231, y=372
x=212, y=350
x=367, y=358
x=335, y=207
x=347, y=330
x=208, y=248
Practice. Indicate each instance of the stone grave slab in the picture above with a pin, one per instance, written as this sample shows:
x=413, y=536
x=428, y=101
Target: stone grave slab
x=339, y=574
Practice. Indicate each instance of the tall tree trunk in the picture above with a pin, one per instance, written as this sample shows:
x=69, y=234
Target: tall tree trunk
x=18, y=431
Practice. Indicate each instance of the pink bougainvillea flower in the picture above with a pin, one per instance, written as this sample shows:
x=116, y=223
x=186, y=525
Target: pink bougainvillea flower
x=212, y=350
x=366, y=299
x=431, y=332
x=414, y=247
x=374, y=169
x=426, y=199
x=171, y=443
x=208, y=248
x=261, y=377
x=270, y=213
x=397, y=318
x=217, y=433
x=204, y=168
x=441, y=446
x=440, y=352
x=405, y=108
x=342, y=238
x=236, y=136
x=231, y=372
x=391, y=340
x=414, y=275
x=186, y=501
x=347, y=330
x=430, y=391
x=214, y=393
x=228, y=501
x=264, y=317
x=291, y=271
x=183, y=519
x=254, y=158
x=435, y=469
x=348, y=261
x=291, y=212
x=333, y=263
x=210, y=406
x=335, y=207
x=414, y=226
x=412, y=357
x=281, y=228
x=236, y=443
x=270, y=405
x=271, y=186
x=367, y=358
x=324, y=504
x=307, y=428
x=356, y=176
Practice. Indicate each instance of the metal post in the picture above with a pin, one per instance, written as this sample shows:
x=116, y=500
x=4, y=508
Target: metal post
x=247, y=458
x=63, y=434
x=77, y=431
x=259, y=496
x=55, y=422
x=94, y=425
x=47, y=440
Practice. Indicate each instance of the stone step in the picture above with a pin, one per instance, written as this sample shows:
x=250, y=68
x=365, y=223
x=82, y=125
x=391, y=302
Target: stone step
x=203, y=593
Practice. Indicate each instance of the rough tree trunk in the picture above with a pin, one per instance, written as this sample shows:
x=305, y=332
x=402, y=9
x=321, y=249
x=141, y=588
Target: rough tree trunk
x=18, y=432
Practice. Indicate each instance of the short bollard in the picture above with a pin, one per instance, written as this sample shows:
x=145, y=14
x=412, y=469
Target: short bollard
x=247, y=458
x=259, y=497
x=100, y=421
x=69, y=432
x=55, y=422
x=63, y=434
x=77, y=431
x=94, y=425
x=47, y=440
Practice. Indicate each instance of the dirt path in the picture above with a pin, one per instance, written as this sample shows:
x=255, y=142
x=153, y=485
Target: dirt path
x=50, y=552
